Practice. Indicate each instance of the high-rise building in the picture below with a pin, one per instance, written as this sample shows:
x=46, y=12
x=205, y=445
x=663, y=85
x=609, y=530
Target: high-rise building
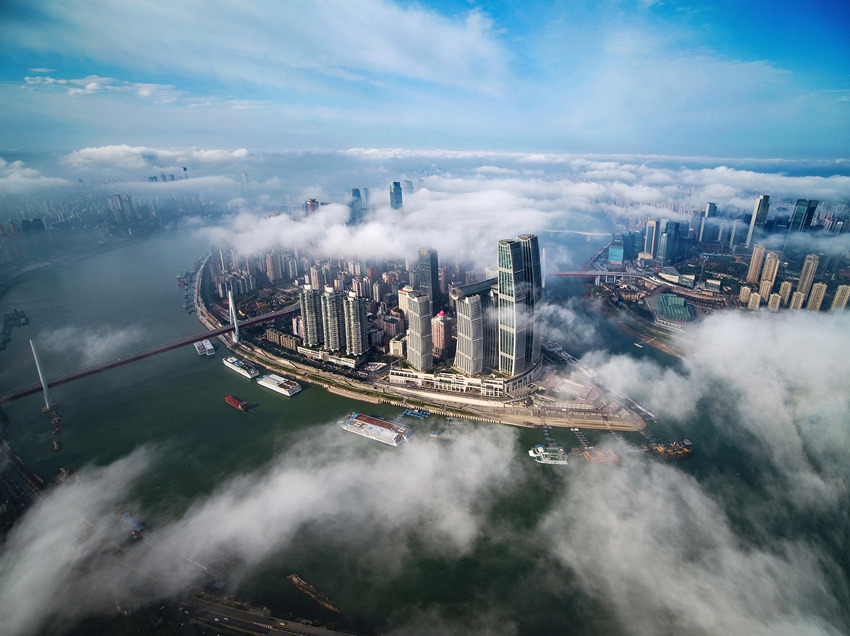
x=816, y=297
x=803, y=215
x=441, y=335
x=317, y=278
x=355, y=208
x=842, y=294
x=649, y=241
x=534, y=294
x=429, y=276
x=311, y=314
x=754, y=301
x=744, y=294
x=759, y=216
x=797, y=299
x=395, y=195
x=773, y=302
x=768, y=273
x=333, y=319
x=755, y=264
x=356, y=329
x=476, y=326
x=785, y=291
x=512, y=307
x=419, y=343
x=807, y=274
x=705, y=222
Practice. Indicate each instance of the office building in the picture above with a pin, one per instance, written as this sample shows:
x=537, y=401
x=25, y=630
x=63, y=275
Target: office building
x=419, y=343
x=785, y=292
x=797, y=299
x=807, y=274
x=534, y=294
x=773, y=302
x=512, y=307
x=477, y=326
x=756, y=261
x=759, y=216
x=616, y=255
x=356, y=328
x=803, y=215
x=311, y=315
x=429, y=276
x=395, y=195
x=355, y=208
x=816, y=297
x=649, y=240
x=841, y=296
x=333, y=319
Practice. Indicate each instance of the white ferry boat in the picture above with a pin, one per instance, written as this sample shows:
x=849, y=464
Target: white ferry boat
x=200, y=348
x=279, y=384
x=240, y=366
x=208, y=348
x=377, y=429
x=549, y=454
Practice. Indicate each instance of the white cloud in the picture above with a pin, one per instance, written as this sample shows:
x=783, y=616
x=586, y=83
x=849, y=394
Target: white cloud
x=137, y=157
x=16, y=178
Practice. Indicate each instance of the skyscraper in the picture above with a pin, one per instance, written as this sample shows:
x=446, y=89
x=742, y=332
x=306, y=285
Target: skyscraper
x=759, y=216
x=842, y=294
x=419, y=342
x=797, y=299
x=395, y=195
x=807, y=275
x=754, y=301
x=816, y=297
x=356, y=335
x=355, y=208
x=333, y=319
x=649, y=241
x=534, y=294
x=311, y=314
x=755, y=264
x=476, y=329
x=429, y=276
x=512, y=307
x=773, y=302
x=803, y=215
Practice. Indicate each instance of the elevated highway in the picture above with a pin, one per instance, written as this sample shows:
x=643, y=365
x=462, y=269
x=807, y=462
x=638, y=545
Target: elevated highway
x=144, y=353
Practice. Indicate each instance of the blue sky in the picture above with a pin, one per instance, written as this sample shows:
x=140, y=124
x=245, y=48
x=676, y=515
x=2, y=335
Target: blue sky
x=720, y=79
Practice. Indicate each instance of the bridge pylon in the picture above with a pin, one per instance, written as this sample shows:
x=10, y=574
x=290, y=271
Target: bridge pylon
x=48, y=406
x=233, y=316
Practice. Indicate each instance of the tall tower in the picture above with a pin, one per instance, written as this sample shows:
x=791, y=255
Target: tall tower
x=759, y=216
x=395, y=195
x=755, y=264
x=803, y=215
x=441, y=334
x=534, y=294
x=333, y=319
x=807, y=275
x=649, y=241
x=419, y=343
x=355, y=325
x=475, y=331
x=429, y=276
x=512, y=307
x=311, y=314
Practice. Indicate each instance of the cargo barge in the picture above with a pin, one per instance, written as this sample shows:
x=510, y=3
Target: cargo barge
x=236, y=403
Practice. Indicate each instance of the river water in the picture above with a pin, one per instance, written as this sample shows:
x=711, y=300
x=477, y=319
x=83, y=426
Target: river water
x=119, y=301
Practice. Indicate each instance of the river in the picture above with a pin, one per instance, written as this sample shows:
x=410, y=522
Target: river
x=116, y=302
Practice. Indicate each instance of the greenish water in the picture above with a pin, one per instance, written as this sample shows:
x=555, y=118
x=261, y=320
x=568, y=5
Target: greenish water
x=507, y=582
